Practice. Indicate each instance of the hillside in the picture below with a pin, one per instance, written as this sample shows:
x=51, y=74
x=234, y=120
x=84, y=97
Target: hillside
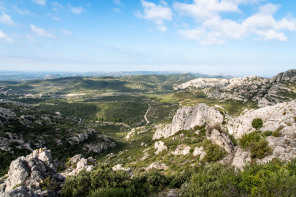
x=260, y=90
x=149, y=135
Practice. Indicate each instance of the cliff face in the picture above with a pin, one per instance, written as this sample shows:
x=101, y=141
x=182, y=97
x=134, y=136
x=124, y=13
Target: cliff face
x=188, y=117
x=263, y=91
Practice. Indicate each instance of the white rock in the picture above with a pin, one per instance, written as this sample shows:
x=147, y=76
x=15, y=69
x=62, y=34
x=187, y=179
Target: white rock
x=182, y=150
x=188, y=117
x=241, y=158
x=159, y=146
x=157, y=165
x=199, y=151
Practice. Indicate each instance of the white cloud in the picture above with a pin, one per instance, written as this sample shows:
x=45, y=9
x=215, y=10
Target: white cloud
x=21, y=11
x=213, y=29
x=41, y=32
x=5, y=37
x=117, y=2
x=40, y=2
x=66, y=32
x=57, y=5
x=6, y=19
x=76, y=10
x=116, y=10
x=156, y=13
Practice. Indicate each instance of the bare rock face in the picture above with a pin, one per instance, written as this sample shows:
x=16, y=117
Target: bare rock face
x=188, y=117
x=78, y=163
x=241, y=158
x=119, y=167
x=159, y=146
x=157, y=165
x=273, y=117
x=221, y=139
x=26, y=175
x=199, y=151
x=182, y=150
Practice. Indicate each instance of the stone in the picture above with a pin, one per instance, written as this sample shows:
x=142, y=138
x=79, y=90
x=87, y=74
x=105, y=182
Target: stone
x=199, y=151
x=159, y=146
x=189, y=117
x=182, y=150
x=241, y=158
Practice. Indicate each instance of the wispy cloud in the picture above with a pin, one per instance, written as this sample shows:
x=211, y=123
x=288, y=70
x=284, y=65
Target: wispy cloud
x=21, y=11
x=5, y=37
x=212, y=28
x=76, y=10
x=6, y=19
x=66, y=32
x=41, y=32
x=156, y=13
x=40, y=2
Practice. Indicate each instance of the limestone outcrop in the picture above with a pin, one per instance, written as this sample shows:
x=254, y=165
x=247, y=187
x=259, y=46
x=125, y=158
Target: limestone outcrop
x=159, y=146
x=273, y=117
x=188, y=117
x=263, y=91
x=26, y=176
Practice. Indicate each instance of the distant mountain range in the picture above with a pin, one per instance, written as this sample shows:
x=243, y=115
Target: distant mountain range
x=21, y=75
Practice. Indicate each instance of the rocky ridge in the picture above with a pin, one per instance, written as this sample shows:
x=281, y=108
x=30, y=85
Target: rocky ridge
x=263, y=91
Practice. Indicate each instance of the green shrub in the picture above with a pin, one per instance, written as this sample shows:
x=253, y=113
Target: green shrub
x=247, y=140
x=213, y=180
x=271, y=179
x=48, y=183
x=213, y=151
x=260, y=149
x=111, y=192
x=267, y=133
x=233, y=140
x=277, y=133
x=257, y=123
x=258, y=145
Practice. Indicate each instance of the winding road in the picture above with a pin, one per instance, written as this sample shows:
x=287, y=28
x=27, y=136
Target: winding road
x=145, y=116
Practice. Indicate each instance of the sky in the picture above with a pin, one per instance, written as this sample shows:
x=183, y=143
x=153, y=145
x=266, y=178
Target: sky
x=238, y=37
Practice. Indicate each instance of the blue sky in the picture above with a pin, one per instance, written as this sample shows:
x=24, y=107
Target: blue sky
x=240, y=37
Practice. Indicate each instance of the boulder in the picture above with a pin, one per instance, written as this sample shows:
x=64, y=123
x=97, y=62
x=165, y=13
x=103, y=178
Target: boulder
x=189, y=117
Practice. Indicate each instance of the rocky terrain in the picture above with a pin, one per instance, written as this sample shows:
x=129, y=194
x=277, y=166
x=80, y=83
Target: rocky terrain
x=45, y=152
x=280, y=118
x=37, y=174
x=262, y=91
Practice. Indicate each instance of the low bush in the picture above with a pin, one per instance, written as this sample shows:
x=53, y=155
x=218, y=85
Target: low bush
x=257, y=123
x=213, y=151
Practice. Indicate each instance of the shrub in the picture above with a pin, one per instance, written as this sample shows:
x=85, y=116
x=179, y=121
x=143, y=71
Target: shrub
x=111, y=192
x=247, y=140
x=48, y=184
x=260, y=149
x=213, y=151
x=277, y=132
x=233, y=140
x=257, y=123
x=213, y=180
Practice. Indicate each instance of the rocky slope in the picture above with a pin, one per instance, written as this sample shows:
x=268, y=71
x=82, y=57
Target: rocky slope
x=280, y=118
x=37, y=174
x=262, y=91
x=26, y=127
